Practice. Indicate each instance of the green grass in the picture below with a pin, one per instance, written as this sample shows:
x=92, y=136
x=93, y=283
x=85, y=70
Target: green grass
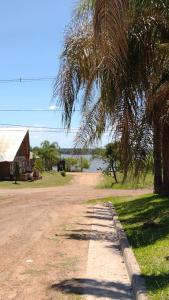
x=150, y=245
x=107, y=182
x=49, y=179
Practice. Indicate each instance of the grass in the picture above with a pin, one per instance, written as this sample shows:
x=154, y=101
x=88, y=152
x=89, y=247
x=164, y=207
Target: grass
x=107, y=182
x=49, y=179
x=151, y=242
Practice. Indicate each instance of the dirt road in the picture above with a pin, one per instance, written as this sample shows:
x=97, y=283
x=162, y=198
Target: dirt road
x=36, y=246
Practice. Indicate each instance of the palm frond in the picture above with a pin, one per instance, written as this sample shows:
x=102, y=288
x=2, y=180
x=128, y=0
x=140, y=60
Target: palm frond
x=84, y=8
x=110, y=24
x=77, y=61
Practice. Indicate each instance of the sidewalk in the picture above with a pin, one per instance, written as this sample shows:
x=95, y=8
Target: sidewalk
x=106, y=276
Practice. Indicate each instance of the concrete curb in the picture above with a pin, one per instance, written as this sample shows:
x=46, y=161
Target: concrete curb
x=133, y=269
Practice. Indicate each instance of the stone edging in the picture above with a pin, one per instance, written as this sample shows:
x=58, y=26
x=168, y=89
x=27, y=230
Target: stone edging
x=133, y=269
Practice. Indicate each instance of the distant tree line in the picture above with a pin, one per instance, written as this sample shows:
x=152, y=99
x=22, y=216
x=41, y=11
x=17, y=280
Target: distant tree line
x=80, y=151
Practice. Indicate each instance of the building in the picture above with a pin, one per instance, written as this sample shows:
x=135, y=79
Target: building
x=14, y=148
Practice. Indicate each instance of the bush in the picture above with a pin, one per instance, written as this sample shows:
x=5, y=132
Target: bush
x=63, y=173
x=38, y=165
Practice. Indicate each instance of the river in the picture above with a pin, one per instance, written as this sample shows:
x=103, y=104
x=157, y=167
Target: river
x=95, y=164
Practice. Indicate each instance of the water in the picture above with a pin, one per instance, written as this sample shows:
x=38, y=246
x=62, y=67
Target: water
x=95, y=164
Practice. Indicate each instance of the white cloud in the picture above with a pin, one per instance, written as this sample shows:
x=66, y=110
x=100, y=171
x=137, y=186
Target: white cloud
x=52, y=107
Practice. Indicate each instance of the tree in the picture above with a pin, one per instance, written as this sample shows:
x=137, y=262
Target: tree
x=79, y=163
x=84, y=163
x=111, y=156
x=121, y=57
x=38, y=165
x=161, y=140
x=71, y=162
x=49, y=154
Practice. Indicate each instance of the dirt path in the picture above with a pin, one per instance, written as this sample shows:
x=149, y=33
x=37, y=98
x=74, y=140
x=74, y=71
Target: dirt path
x=37, y=249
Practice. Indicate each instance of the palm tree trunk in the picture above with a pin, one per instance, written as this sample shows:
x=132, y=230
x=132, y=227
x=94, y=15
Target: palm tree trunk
x=165, y=154
x=157, y=157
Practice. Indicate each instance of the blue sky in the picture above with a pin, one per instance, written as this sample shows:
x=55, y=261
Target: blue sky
x=31, y=35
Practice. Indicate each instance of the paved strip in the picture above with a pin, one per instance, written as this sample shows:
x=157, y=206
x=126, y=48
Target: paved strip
x=107, y=276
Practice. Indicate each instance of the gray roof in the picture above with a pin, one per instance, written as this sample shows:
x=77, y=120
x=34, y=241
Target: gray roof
x=10, y=142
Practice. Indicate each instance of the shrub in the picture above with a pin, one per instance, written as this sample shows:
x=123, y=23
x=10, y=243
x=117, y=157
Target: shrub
x=39, y=165
x=63, y=173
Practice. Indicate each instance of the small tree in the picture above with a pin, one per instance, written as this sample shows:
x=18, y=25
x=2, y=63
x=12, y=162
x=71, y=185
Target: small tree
x=111, y=156
x=39, y=165
x=16, y=172
x=71, y=162
x=78, y=163
x=84, y=163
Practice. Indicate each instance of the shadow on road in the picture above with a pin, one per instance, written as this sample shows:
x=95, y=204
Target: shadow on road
x=92, y=235
x=100, y=214
x=97, y=235
x=95, y=224
x=101, y=289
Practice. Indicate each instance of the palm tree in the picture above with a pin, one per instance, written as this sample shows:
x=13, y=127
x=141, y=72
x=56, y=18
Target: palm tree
x=49, y=153
x=161, y=137
x=113, y=55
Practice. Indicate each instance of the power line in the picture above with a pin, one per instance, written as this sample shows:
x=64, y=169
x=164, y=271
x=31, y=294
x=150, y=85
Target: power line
x=38, y=127
x=43, y=129
x=53, y=131
x=35, y=110
x=22, y=80
x=40, y=131
x=28, y=110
